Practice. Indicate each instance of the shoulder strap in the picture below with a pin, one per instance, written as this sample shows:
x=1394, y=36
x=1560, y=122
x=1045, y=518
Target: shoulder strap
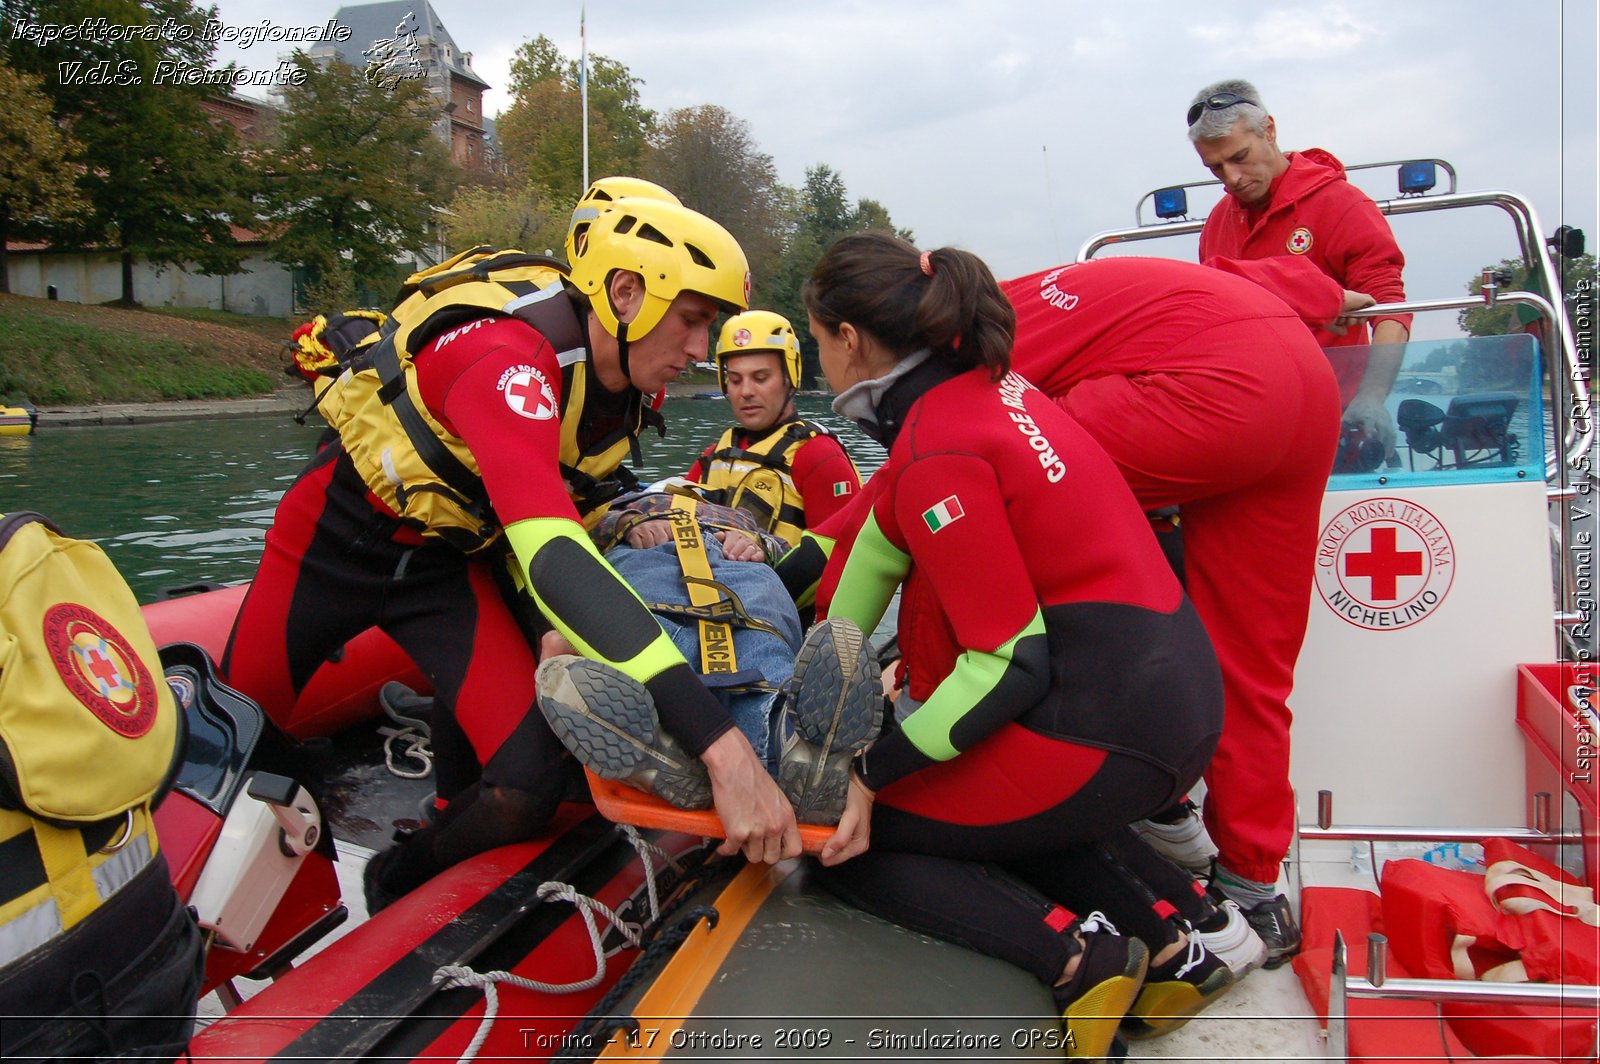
x=10, y=524
x=394, y=392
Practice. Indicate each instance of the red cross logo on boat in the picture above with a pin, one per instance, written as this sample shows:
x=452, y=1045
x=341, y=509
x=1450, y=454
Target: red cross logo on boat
x=529, y=395
x=1384, y=563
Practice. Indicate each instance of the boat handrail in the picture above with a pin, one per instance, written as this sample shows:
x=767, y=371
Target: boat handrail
x=1377, y=985
x=1138, y=208
x=1569, y=387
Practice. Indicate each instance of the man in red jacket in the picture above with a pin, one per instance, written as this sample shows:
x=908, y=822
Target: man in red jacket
x=1287, y=221
x=1299, y=205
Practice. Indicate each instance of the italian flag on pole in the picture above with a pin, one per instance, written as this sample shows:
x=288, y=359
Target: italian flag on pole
x=942, y=515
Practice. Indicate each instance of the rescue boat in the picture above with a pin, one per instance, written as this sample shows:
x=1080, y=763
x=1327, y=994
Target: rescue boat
x=1443, y=695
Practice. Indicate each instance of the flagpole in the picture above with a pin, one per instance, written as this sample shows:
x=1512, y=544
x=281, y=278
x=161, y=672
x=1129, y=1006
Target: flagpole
x=583, y=85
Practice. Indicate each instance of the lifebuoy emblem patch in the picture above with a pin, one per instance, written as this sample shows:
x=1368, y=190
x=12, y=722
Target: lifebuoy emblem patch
x=100, y=669
x=1299, y=241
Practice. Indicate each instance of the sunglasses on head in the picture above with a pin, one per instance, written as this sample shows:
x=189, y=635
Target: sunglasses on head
x=1218, y=102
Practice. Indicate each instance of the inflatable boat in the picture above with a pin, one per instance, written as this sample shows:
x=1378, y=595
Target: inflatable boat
x=1443, y=695
x=342, y=694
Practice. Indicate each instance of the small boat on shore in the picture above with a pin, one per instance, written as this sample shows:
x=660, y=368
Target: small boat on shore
x=18, y=419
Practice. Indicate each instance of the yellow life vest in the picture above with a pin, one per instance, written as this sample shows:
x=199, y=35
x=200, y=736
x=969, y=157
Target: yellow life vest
x=56, y=877
x=423, y=472
x=759, y=477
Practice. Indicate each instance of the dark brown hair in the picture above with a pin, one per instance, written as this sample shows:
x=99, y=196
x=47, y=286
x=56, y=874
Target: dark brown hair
x=877, y=282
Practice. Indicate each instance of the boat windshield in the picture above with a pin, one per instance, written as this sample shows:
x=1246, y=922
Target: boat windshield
x=1466, y=411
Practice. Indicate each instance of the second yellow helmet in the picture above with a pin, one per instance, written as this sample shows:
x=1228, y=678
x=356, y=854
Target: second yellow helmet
x=759, y=330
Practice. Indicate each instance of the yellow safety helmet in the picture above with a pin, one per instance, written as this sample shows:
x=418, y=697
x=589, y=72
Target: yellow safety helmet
x=755, y=331
x=601, y=195
x=673, y=248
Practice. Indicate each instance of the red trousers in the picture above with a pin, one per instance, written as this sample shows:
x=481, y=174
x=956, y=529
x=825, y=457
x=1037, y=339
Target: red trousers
x=1240, y=433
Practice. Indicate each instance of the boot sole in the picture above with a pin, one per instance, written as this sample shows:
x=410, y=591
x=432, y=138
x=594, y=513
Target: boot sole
x=1092, y=1022
x=836, y=706
x=1162, y=1008
x=609, y=723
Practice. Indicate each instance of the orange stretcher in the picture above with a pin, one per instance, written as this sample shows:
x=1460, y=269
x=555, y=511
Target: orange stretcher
x=622, y=804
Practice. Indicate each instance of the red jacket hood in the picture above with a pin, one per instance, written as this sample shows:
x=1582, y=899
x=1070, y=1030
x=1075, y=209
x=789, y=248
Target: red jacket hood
x=1308, y=171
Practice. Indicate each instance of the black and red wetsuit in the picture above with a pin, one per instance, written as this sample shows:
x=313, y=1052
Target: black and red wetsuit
x=1211, y=395
x=1066, y=686
x=337, y=562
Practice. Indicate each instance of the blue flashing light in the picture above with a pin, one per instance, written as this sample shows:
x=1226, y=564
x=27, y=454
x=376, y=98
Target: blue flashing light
x=1417, y=178
x=1171, y=203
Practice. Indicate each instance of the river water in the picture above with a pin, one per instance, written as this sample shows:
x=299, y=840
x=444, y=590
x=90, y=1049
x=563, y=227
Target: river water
x=186, y=501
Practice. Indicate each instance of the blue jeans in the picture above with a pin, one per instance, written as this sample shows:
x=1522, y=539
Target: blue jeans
x=655, y=574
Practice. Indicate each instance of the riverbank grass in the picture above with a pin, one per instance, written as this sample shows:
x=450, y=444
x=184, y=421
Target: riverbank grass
x=54, y=353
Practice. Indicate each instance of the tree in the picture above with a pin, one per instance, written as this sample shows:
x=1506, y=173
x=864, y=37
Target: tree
x=821, y=213
x=528, y=218
x=160, y=180
x=37, y=176
x=1577, y=278
x=707, y=157
x=540, y=134
x=356, y=174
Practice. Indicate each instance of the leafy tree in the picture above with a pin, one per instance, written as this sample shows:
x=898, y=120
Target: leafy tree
x=37, y=176
x=161, y=181
x=355, y=176
x=821, y=213
x=540, y=133
x=1577, y=277
x=707, y=157
x=528, y=218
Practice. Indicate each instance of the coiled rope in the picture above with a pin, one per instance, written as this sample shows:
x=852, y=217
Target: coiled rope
x=452, y=976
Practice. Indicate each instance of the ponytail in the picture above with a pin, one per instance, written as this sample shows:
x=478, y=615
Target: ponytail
x=944, y=300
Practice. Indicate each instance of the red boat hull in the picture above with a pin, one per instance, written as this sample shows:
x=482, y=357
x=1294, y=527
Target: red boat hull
x=371, y=992
x=343, y=692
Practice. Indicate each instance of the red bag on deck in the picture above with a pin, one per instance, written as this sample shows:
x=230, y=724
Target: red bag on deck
x=1548, y=918
x=1443, y=924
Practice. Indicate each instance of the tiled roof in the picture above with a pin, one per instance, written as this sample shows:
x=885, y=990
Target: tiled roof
x=369, y=23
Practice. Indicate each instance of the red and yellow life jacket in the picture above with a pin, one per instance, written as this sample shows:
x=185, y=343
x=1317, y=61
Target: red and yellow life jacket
x=759, y=477
x=419, y=469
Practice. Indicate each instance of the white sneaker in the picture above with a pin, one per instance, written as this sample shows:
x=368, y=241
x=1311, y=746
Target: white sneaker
x=1185, y=843
x=1235, y=943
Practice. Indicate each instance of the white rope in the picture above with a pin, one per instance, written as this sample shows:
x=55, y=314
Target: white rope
x=452, y=976
x=645, y=848
x=417, y=749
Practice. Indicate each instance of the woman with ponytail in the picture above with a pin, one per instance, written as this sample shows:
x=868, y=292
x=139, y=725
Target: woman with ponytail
x=1059, y=683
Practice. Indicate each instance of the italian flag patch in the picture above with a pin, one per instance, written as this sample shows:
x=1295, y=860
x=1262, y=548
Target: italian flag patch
x=944, y=514
x=841, y=487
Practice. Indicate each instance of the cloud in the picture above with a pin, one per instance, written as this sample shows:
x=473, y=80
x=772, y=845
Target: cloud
x=1314, y=34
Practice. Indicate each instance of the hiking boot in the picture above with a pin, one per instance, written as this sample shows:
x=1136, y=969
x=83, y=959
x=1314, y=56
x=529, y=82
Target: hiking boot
x=1094, y=1001
x=1176, y=989
x=832, y=708
x=1183, y=842
x=1235, y=941
x=608, y=720
x=1274, y=922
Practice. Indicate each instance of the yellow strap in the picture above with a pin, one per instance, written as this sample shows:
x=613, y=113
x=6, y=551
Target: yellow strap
x=66, y=866
x=716, y=637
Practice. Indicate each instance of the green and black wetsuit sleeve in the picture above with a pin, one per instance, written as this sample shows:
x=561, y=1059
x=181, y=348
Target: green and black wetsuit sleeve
x=975, y=568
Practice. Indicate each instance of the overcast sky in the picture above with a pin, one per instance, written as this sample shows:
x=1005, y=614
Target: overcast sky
x=1019, y=128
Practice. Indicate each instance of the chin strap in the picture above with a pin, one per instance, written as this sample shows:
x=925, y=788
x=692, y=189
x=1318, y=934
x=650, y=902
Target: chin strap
x=622, y=351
